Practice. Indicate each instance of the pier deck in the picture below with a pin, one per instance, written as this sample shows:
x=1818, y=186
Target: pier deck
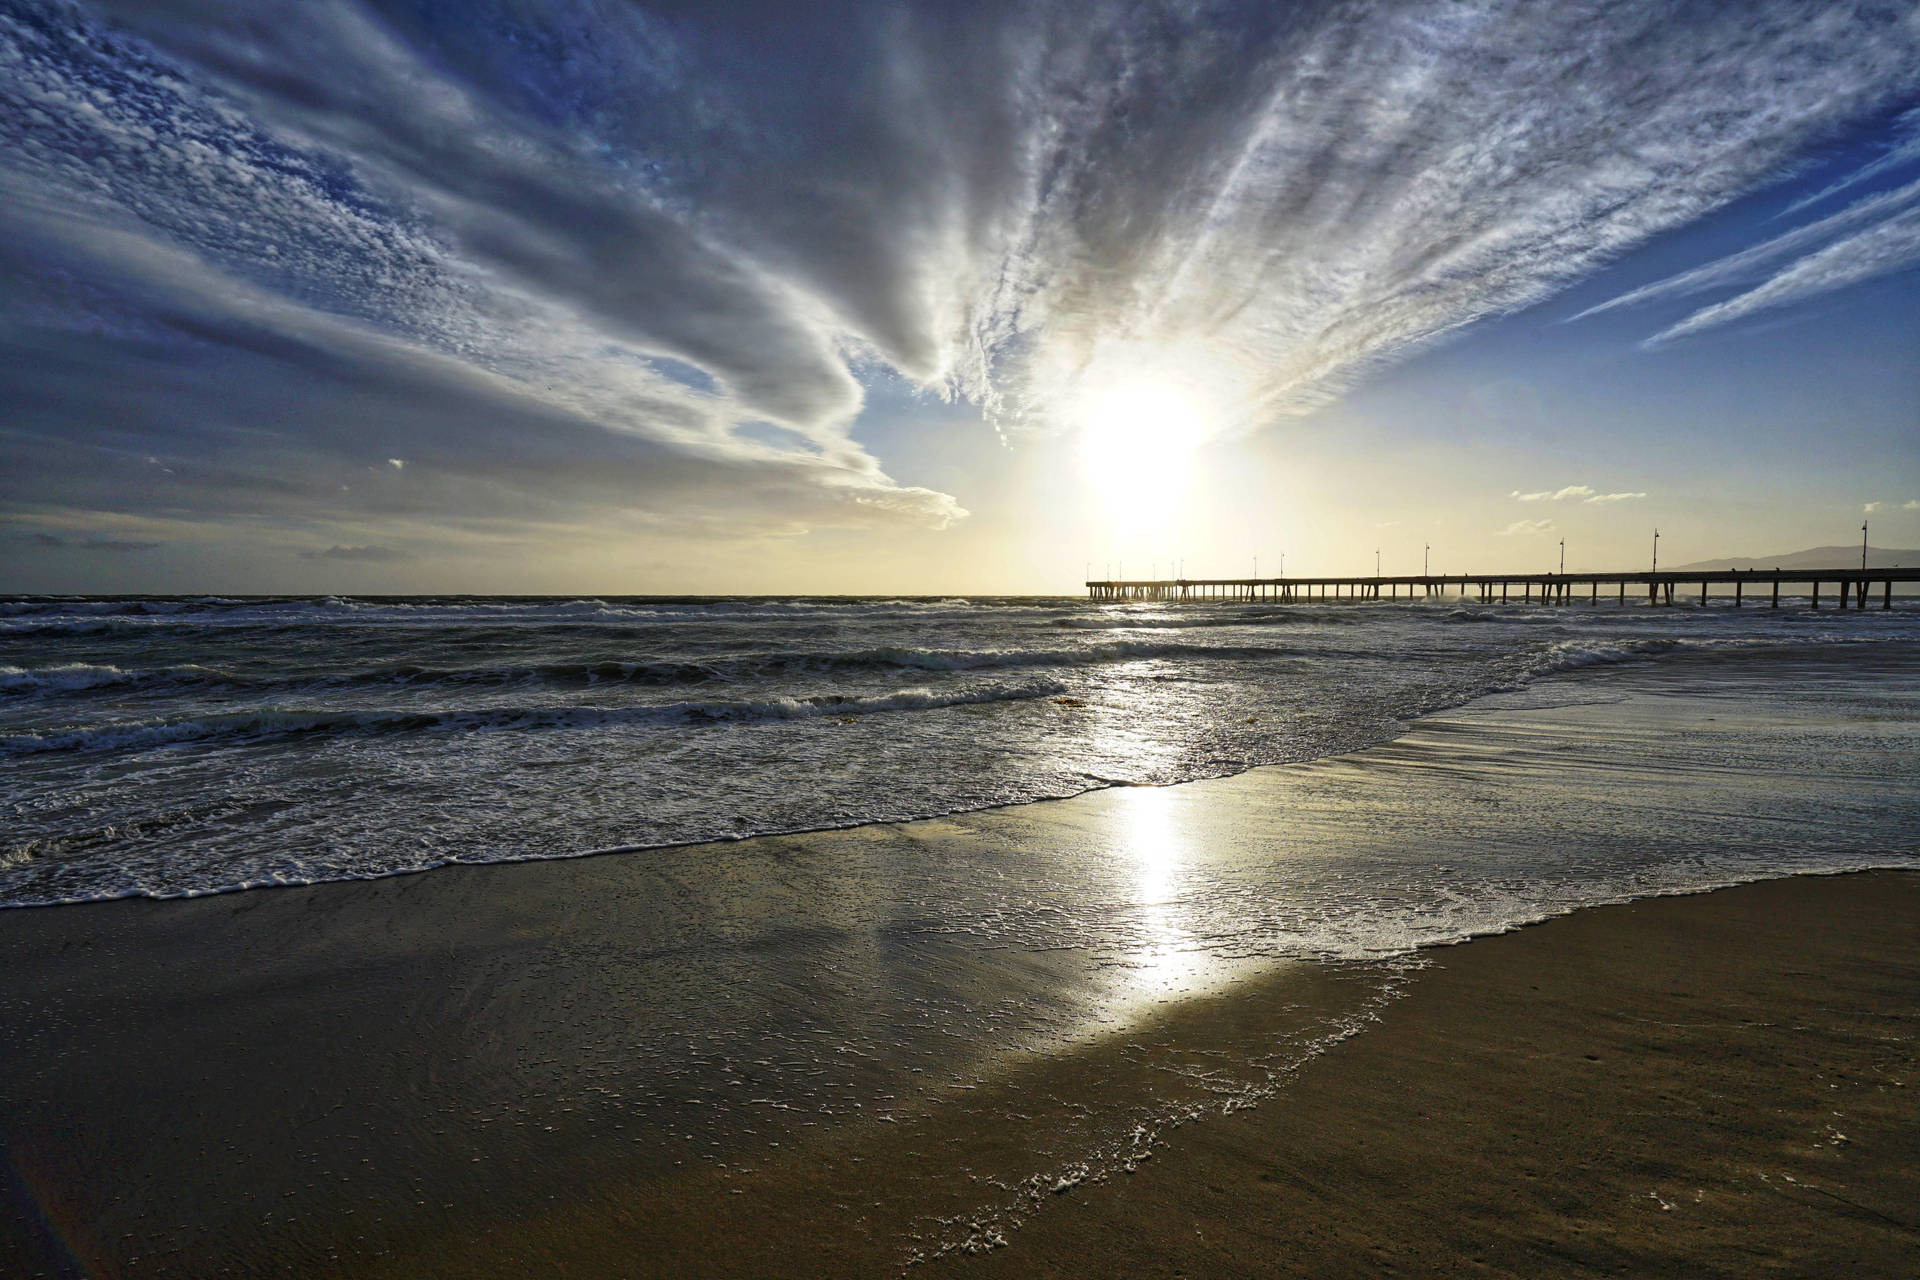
x=1849, y=586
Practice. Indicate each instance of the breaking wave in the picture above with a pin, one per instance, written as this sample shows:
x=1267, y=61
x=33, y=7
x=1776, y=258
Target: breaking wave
x=279, y=722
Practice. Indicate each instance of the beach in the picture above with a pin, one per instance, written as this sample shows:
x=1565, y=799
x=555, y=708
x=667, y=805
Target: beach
x=1069, y=640
x=1116, y=1033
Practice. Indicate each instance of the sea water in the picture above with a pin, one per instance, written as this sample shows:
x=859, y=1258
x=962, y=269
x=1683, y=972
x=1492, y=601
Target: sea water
x=182, y=746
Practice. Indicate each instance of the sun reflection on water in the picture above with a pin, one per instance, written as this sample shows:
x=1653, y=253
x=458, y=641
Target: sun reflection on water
x=1163, y=957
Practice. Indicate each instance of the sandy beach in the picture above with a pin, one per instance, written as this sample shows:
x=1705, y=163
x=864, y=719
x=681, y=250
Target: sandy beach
x=543, y=1068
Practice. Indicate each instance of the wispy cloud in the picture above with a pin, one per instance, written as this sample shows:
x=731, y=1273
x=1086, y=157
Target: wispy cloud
x=1519, y=527
x=361, y=555
x=1904, y=149
x=1573, y=492
x=1872, y=507
x=114, y=546
x=567, y=261
x=1756, y=262
x=1873, y=237
x=1889, y=246
x=1912, y=504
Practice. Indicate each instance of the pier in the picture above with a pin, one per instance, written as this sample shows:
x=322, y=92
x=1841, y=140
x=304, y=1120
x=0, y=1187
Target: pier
x=1843, y=588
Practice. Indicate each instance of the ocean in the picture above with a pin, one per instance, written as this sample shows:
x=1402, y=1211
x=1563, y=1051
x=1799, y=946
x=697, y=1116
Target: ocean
x=180, y=746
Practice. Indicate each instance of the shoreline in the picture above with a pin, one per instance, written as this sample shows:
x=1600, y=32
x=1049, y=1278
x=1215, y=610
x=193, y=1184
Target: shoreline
x=372, y=1077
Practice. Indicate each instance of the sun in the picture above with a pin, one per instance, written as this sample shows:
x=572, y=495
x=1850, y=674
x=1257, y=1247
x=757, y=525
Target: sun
x=1137, y=437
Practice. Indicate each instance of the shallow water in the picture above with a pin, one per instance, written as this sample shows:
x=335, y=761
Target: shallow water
x=162, y=747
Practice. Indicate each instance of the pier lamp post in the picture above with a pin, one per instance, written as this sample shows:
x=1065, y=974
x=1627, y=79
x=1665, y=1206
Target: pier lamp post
x=1863, y=547
x=1563, y=555
x=1426, y=557
x=1656, y=551
x=1376, y=562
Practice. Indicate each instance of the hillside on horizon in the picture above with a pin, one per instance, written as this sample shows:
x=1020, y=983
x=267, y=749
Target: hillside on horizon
x=1815, y=558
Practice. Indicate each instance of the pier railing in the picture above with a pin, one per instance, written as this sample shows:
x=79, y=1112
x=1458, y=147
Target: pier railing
x=1851, y=587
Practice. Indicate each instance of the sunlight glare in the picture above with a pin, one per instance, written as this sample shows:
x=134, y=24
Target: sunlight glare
x=1137, y=440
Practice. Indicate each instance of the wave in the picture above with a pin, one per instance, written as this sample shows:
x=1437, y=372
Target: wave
x=65, y=678
x=902, y=657
x=1190, y=616
x=1571, y=655
x=761, y=665
x=80, y=616
x=80, y=677
x=274, y=722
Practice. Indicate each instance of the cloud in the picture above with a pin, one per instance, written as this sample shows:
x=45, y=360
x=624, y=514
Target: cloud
x=567, y=260
x=1904, y=149
x=115, y=546
x=1526, y=526
x=1873, y=237
x=1912, y=504
x=1555, y=495
x=1873, y=506
x=398, y=464
x=363, y=555
x=1582, y=492
x=1889, y=246
x=1757, y=262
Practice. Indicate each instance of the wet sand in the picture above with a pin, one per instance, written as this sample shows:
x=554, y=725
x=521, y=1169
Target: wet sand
x=1719, y=1085
x=1723, y=1085
x=538, y=1069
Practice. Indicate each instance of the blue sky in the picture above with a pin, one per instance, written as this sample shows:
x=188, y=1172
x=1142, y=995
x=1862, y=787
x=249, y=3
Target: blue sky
x=615, y=297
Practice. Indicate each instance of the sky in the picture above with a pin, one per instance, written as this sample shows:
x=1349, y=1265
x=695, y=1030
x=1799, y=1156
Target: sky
x=600, y=296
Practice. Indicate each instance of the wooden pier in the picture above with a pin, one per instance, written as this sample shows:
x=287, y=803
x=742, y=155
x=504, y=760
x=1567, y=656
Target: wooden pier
x=1846, y=588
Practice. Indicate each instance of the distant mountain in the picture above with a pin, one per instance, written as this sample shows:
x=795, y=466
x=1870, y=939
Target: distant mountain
x=1815, y=558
